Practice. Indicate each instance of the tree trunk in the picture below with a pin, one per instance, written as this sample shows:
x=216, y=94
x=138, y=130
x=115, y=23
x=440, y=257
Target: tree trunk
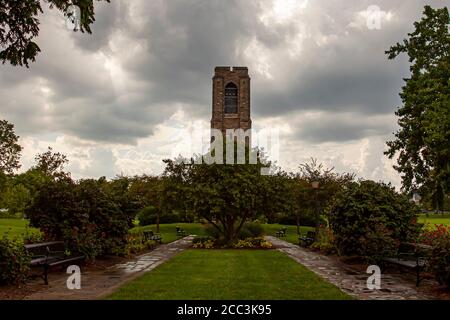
x=157, y=222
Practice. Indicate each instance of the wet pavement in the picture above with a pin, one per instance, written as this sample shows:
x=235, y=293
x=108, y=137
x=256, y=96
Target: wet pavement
x=350, y=280
x=99, y=284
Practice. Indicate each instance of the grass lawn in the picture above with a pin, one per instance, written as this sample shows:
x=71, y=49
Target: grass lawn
x=291, y=234
x=435, y=219
x=14, y=227
x=169, y=232
x=229, y=274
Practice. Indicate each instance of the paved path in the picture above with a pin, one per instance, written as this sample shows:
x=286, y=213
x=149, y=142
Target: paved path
x=98, y=284
x=348, y=279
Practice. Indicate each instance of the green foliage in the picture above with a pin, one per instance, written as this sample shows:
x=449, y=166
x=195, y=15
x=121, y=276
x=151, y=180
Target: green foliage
x=306, y=218
x=15, y=199
x=325, y=241
x=252, y=243
x=85, y=214
x=422, y=141
x=50, y=163
x=226, y=196
x=136, y=243
x=213, y=232
x=205, y=243
x=202, y=239
x=439, y=262
x=32, y=235
x=14, y=261
x=369, y=218
x=19, y=25
x=251, y=230
x=9, y=147
x=244, y=243
x=147, y=216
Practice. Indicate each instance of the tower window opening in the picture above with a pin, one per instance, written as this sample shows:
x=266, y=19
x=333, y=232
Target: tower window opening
x=231, y=98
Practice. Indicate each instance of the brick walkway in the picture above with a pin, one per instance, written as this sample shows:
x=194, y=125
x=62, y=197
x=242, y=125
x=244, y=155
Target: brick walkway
x=98, y=284
x=348, y=279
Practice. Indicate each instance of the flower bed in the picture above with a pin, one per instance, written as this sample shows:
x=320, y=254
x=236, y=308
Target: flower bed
x=439, y=263
x=248, y=243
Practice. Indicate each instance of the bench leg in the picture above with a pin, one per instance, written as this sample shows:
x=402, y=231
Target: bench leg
x=46, y=275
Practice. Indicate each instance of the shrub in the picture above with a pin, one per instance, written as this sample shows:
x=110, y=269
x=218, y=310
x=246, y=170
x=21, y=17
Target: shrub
x=201, y=239
x=137, y=243
x=14, y=261
x=243, y=244
x=87, y=215
x=325, y=241
x=248, y=230
x=205, y=244
x=32, y=236
x=368, y=219
x=307, y=219
x=254, y=229
x=210, y=243
x=252, y=243
x=212, y=231
x=439, y=264
x=147, y=216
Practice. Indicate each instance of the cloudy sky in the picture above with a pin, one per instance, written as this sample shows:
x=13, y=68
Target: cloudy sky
x=124, y=98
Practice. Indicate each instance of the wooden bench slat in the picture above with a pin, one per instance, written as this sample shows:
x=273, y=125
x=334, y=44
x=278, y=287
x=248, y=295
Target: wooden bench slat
x=61, y=262
x=42, y=245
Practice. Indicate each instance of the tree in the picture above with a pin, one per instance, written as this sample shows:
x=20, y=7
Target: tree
x=148, y=191
x=9, y=148
x=19, y=25
x=226, y=196
x=50, y=163
x=329, y=183
x=422, y=143
x=15, y=199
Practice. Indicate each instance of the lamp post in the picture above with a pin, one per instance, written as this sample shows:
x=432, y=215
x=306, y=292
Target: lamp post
x=315, y=185
x=416, y=198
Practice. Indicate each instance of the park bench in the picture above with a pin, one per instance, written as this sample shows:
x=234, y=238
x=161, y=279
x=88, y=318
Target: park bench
x=50, y=255
x=180, y=232
x=149, y=235
x=281, y=233
x=410, y=256
x=308, y=239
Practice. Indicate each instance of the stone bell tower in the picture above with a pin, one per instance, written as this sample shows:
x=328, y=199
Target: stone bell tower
x=231, y=99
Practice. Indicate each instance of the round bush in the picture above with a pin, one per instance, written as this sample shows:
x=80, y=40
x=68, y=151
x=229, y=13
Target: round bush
x=369, y=219
x=254, y=229
x=147, y=216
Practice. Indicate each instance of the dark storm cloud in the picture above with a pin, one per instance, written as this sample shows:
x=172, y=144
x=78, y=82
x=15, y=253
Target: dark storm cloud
x=167, y=51
x=331, y=127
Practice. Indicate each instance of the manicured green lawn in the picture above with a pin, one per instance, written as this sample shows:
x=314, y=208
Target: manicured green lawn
x=14, y=227
x=291, y=234
x=435, y=219
x=168, y=231
x=229, y=274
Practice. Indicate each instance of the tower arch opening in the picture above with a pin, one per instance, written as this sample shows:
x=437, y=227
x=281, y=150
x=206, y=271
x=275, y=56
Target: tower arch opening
x=231, y=98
